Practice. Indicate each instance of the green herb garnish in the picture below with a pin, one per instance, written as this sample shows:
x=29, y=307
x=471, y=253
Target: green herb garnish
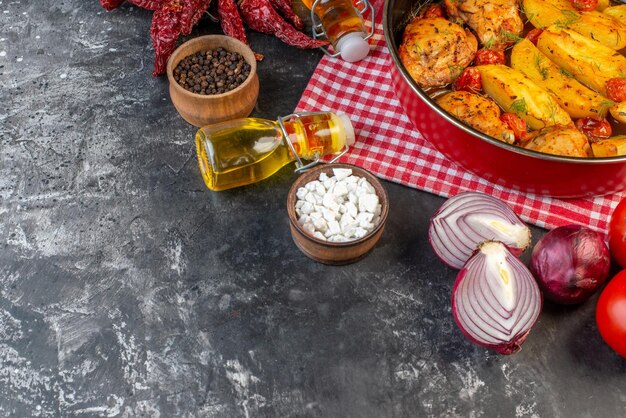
x=519, y=107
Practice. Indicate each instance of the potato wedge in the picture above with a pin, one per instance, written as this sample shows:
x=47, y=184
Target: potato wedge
x=595, y=25
x=516, y=93
x=576, y=99
x=590, y=62
x=560, y=140
x=617, y=12
x=543, y=13
x=618, y=111
x=610, y=147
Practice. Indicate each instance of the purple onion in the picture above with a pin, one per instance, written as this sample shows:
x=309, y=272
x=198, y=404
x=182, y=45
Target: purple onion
x=570, y=263
x=495, y=299
x=467, y=219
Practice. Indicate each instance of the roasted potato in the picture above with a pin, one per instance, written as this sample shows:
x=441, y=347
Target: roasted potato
x=595, y=25
x=590, y=62
x=478, y=112
x=616, y=12
x=516, y=93
x=618, y=111
x=610, y=147
x=577, y=100
x=560, y=140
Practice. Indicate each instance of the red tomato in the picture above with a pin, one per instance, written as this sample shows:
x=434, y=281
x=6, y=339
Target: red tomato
x=594, y=128
x=434, y=10
x=616, y=89
x=611, y=313
x=516, y=124
x=469, y=80
x=617, y=234
x=585, y=5
x=489, y=56
x=533, y=35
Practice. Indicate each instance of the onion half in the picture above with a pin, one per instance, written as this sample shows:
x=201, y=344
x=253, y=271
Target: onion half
x=495, y=299
x=467, y=219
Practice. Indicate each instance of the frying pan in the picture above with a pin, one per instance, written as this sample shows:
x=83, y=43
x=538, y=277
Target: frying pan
x=508, y=165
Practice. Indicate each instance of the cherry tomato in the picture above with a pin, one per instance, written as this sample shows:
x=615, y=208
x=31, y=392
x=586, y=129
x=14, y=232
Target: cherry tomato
x=617, y=234
x=533, y=35
x=616, y=89
x=489, y=56
x=585, y=5
x=469, y=80
x=594, y=128
x=434, y=10
x=516, y=124
x=611, y=313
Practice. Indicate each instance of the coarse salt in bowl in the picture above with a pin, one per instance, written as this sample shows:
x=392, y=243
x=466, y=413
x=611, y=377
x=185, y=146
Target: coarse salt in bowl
x=337, y=213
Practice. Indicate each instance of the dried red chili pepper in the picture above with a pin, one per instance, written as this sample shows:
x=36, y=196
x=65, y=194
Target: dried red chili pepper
x=285, y=7
x=148, y=4
x=111, y=4
x=261, y=17
x=231, y=22
x=164, y=31
x=191, y=14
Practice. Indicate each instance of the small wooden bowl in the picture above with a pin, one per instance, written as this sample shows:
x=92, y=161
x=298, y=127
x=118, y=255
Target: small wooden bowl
x=200, y=109
x=335, y=253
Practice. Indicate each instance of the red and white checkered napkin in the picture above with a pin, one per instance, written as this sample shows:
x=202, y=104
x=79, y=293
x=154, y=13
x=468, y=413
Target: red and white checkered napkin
x=391, y=147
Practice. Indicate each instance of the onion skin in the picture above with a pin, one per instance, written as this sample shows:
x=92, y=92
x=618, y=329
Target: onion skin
x=495, y=299
x=570, y=264
x=467, y=219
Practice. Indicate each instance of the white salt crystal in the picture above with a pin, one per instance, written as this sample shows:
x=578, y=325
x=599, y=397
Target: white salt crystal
x=342, y=173
x=301, y=193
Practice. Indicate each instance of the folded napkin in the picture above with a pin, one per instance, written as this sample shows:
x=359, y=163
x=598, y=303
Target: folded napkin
x=392, y=148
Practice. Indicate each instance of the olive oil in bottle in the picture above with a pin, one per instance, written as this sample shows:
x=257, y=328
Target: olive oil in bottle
x=243, y=151
x=343, y=26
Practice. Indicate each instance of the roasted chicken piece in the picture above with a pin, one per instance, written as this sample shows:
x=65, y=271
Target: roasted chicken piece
x=435, y=51
x=478, y=112
x=496, y=22
x=559, y=140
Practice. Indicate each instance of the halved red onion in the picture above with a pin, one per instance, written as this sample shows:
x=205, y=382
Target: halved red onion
x=469, y=218
x=495, y=299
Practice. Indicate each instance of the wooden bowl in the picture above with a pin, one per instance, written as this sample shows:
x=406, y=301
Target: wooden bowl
x=336, y=253
x=200, y=109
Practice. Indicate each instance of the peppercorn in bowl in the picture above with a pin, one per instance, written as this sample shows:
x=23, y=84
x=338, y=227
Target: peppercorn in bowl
x=213, y=79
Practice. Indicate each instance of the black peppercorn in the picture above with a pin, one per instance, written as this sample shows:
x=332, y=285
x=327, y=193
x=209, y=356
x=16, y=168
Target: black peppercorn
x=212, y=72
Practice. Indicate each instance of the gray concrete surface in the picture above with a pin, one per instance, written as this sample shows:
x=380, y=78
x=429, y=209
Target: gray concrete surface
x=129, y=289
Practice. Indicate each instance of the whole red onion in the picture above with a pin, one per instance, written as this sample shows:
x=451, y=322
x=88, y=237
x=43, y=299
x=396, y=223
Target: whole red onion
x=570, y=263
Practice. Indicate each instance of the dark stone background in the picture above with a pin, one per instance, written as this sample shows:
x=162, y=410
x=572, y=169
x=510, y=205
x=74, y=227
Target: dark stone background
x=129, y=289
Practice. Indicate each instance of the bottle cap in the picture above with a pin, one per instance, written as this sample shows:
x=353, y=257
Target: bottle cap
x=353, y=47
x=347, y=128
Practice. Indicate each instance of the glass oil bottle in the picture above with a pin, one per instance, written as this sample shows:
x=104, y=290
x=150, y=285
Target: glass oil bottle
x=243, y=151
x=342, y=24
